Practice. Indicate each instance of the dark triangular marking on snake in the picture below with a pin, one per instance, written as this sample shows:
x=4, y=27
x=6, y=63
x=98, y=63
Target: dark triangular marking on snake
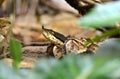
x=59, y=36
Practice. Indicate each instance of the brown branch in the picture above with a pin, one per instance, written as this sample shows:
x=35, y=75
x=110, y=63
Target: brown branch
x=1, y=1
x=81, y=8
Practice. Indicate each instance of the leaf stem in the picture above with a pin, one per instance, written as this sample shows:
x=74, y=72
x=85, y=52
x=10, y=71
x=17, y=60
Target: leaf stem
x=105, y=35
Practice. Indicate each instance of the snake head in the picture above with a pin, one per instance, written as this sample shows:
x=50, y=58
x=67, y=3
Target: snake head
x=53, y=36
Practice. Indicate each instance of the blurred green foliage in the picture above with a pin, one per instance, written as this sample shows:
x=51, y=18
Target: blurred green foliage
x=70, y=67
x=102, y=15
x=15, y=52
x=105, y=64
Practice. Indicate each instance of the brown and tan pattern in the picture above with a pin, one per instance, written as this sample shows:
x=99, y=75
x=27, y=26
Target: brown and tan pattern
x=5, y=26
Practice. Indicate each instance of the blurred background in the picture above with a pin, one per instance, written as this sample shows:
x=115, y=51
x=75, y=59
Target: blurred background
x=29, y=15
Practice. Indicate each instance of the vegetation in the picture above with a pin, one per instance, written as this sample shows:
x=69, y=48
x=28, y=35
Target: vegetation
x=16, y=52
x=102, y=16
x=102, y=65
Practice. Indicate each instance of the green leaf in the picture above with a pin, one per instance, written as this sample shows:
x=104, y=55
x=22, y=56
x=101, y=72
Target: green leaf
x=109, y=48
x=76, y=67
x=102, y=15
x=16, y=52
x=70, y=67
x=8, y=73
x=67, y=68
x=105, y=70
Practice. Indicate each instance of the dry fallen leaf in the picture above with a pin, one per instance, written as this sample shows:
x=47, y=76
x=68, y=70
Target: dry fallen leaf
x=5, y=26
